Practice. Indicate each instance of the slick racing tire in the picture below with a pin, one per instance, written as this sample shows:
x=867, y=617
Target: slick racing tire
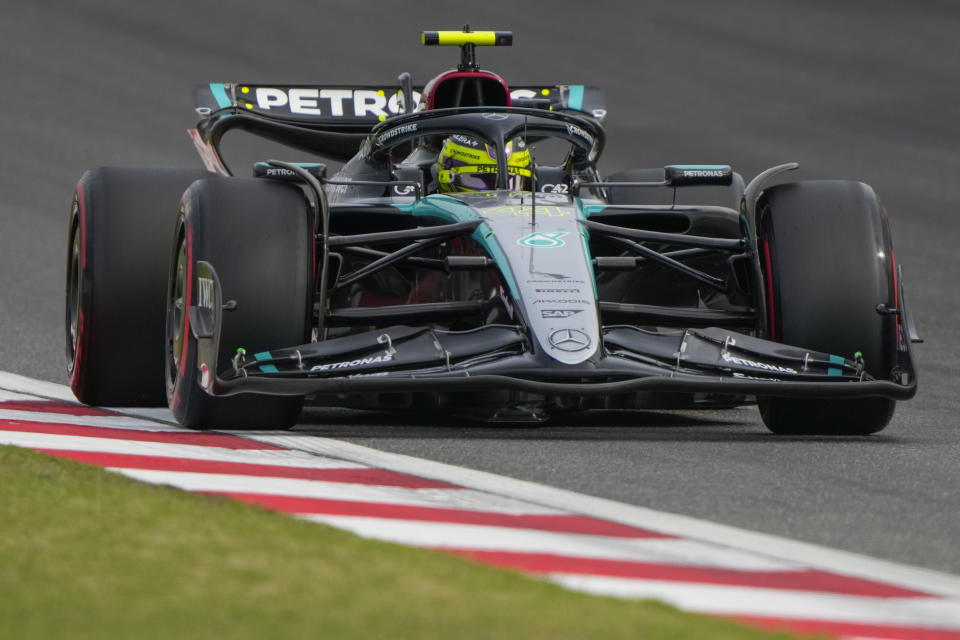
x=827, y=259
x=257, y=235
x=118, y=252
x=717, y=195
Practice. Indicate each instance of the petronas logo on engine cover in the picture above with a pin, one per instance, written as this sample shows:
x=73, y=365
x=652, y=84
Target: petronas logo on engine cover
x=543, y=240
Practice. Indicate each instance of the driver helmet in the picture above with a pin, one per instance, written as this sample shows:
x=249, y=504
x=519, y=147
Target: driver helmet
x=467, y=164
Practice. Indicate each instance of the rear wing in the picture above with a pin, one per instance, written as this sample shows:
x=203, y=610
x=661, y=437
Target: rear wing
x=333, y=120
x=367, y=105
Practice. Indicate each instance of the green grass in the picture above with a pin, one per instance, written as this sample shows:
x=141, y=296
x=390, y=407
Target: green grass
x=89, y=554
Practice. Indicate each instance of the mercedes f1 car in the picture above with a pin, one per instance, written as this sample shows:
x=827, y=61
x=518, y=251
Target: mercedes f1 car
x=469, y=257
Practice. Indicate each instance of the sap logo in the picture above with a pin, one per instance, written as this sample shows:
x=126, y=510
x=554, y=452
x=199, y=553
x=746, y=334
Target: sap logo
x=559, y=313
x=358, y=103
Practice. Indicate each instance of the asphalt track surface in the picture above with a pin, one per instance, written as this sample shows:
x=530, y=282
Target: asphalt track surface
x=860, y=90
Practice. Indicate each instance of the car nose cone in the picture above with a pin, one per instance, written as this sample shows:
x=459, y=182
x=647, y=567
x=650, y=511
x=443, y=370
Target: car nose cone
x=569, y=340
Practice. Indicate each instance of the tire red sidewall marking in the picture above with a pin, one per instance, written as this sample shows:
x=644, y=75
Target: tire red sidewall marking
x=771, y=315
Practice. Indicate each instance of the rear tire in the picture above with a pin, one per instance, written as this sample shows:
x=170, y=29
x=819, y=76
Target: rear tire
x=118, y=250
x=827, y=259
x=257, y=235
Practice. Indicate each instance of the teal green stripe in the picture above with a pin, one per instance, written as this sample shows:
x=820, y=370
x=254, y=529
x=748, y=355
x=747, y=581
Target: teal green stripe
x=575, y=101
x=269, y=368
x=591, y=209
x=263, y=355
x=305, y=165
x=832, y=371
x=483, y=235
x=585, y=237
x=220, y=94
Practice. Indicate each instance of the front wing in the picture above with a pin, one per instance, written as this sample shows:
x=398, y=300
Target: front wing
x=503, y=357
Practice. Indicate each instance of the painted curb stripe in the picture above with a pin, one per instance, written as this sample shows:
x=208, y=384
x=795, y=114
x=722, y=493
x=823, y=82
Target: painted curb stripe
x=160, y=449
x=225, y=483
x=542, y=522
x=54, y=406
x=847, y=629
x=780, y=603
x=105, y=422
x=759, y=544
x=172, y=437
x=445, y=535
x=580, y=542
x=801, y=580
x=368, y=476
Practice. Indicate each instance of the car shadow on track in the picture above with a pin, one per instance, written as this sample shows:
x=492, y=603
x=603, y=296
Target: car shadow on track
x=738, y=425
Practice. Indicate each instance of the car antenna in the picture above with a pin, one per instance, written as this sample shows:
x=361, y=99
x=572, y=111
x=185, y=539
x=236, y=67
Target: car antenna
x=533, y=179
x=406, y=90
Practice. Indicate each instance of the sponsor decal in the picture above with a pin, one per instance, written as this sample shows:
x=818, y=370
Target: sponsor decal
x=207, y=153
x=521, y=94
x=349, y=364
x=543, y=240
x=703, y=173
x=561, y=301
x=570, y=340
x=494, y=116
x=558, y=290
x=560, y=187
x=206, y=380
x=558, y=313
x=396, y=131
x=524, y=211
x=205, y=292
x=465, y=141
x=743, y=362
x=405, y=190
x=280, y=171
x=737, y=374
x=358, y=103
x=555, y=276
x=574, y=130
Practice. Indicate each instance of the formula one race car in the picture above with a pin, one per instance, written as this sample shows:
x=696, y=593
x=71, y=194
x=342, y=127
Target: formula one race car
x=468, y=257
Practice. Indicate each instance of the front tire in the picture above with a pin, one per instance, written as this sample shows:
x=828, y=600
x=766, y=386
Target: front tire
x=257, y=235
x=827, y=258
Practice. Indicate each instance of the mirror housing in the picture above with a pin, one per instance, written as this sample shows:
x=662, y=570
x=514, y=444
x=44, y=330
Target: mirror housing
x=682, y=175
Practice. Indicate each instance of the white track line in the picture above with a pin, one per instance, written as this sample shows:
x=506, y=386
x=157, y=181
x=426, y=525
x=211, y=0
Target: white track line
x=689, y=553
x=442, y=498
x=108, y=422
x=752, y=601
x=276, y=457
x=30, y=386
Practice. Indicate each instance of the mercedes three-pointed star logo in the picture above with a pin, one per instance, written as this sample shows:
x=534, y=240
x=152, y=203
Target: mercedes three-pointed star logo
x=569, y=340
